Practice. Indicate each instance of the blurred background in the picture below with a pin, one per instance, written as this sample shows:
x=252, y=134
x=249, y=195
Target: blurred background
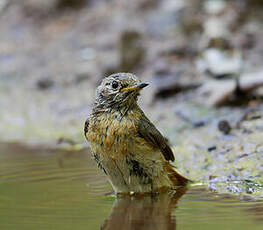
x=203, y=60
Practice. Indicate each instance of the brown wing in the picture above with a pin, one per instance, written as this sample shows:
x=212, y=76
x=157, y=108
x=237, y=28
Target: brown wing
x=86, y=126
x=148, y=131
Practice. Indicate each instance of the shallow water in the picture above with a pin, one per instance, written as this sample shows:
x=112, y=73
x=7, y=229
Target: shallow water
x=44, y=189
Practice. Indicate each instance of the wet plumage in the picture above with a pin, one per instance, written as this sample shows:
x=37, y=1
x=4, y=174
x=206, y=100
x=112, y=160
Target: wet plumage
x=126, y=145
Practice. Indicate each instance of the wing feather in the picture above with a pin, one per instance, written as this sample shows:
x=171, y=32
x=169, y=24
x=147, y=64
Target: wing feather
x=148, y=131
x=86, y=127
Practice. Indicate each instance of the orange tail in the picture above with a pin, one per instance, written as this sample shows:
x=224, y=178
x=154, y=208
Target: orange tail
x=175, y=177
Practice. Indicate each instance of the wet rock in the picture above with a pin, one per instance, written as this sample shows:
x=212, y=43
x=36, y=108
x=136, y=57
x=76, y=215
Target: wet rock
x=239, y=187
x=132, y=50
x=224, y=127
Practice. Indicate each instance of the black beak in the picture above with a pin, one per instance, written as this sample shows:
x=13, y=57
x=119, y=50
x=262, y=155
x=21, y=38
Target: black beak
x=142, y=85
x=136, y=87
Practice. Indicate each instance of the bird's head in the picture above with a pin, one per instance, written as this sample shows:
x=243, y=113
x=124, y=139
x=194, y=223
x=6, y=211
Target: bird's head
x=119, y=89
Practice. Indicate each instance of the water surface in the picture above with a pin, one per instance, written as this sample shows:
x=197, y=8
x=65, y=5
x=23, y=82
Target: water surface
x=55, y=189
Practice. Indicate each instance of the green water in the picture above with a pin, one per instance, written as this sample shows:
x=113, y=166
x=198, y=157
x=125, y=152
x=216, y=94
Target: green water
x=44, y=189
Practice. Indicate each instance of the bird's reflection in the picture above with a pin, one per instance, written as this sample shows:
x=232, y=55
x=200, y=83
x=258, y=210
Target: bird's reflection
x=144, y=212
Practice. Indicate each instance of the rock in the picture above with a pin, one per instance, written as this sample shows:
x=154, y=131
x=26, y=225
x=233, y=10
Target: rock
x=220, y=63
x=224, y=127
x=215, y=93
x=211, y=148
x=219, y=92
x=251, y=81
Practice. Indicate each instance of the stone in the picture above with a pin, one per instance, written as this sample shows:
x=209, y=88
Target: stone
x=221, y=63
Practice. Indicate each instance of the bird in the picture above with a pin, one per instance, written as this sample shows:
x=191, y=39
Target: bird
x=126, y=145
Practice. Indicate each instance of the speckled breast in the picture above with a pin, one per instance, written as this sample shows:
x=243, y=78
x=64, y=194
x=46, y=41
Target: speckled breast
x=113, y=133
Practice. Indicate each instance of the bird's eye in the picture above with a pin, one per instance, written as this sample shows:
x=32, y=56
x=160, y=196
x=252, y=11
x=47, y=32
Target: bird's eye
x=115, y=84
